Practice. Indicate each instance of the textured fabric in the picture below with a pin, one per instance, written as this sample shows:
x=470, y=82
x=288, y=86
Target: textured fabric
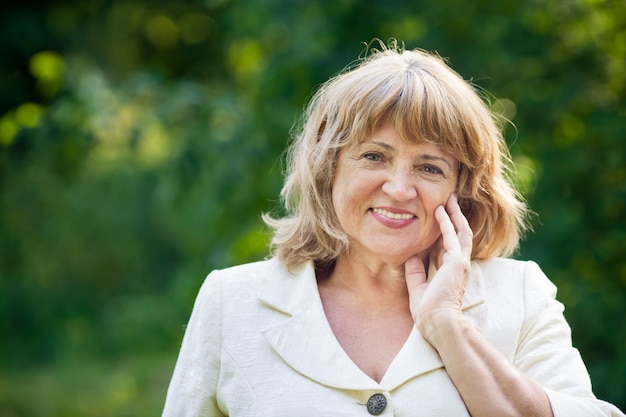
x=258, y=344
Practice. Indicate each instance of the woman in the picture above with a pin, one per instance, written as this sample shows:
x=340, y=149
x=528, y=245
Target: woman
x=387, y=293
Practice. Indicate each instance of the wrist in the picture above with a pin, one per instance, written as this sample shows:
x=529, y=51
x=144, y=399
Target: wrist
x=442, y=326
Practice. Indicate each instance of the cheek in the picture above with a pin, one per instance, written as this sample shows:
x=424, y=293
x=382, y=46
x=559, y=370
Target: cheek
x=348, y=200
x=351, y=196
x=435, y=196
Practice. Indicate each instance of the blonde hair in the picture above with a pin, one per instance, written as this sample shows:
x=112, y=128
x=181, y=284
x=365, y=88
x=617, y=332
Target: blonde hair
x=425, y=100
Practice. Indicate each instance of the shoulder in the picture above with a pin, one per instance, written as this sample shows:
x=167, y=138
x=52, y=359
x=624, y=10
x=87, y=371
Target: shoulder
x=501, y=266
x=248, y=277
x=516, y=285
x=526, y=275
x=516, y=296
x=250, y=270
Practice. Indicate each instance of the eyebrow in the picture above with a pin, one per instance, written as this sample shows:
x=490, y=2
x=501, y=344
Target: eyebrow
x=426, y=156
x=429, y=157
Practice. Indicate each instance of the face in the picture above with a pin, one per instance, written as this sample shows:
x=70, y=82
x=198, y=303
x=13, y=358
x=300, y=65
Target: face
x=385, y=193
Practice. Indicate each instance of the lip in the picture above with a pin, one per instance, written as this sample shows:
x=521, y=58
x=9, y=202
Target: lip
x=379, y=213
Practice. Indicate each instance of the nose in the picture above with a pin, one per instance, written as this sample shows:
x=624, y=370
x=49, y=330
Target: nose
x=400, y=185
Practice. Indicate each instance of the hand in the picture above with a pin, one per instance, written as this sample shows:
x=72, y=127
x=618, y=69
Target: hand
x=442, y=297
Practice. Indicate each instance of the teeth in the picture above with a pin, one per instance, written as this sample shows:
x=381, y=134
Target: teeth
x=394, y=216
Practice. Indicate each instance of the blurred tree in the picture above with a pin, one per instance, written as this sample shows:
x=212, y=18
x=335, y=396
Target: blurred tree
x=140, y=142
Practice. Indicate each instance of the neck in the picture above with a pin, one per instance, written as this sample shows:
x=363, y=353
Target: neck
x=374, y=280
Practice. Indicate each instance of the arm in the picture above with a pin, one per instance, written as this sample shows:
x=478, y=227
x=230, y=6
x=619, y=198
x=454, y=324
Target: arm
x=547, y=378
x=545, y=352
x=192, y=390
x=487, y=382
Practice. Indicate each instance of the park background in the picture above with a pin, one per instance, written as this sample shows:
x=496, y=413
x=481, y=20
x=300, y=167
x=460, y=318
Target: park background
x=140, y=141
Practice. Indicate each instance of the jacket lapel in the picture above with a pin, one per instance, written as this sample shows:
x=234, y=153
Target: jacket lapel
x=302, y=337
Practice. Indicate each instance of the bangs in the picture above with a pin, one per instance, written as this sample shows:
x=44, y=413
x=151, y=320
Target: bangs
x=422, y=112
x=423, y=105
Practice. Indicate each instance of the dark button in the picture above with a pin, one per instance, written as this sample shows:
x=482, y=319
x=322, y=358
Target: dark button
x=376, y=404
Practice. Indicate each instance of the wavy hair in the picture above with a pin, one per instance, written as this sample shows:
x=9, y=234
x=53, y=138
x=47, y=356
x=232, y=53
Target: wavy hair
x=426, y=101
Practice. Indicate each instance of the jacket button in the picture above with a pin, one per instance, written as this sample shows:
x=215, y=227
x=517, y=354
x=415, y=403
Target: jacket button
x=376, y=404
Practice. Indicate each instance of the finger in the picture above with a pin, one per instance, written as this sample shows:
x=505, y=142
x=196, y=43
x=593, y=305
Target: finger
x=415, y=272
x=463, y=229
x=448, y=232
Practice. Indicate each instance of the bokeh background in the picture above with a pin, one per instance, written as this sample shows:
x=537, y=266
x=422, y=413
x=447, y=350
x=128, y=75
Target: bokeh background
x=140, y=141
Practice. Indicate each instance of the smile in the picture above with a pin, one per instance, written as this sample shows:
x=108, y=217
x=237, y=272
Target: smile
x=393, y=216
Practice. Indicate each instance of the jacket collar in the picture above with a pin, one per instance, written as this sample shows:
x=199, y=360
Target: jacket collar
x=304, y=339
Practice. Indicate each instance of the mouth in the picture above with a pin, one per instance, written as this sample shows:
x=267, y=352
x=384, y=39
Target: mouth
x=393, y=215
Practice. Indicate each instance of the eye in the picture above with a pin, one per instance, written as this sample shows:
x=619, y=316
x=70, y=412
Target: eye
x=373, y=156
x=431, y=169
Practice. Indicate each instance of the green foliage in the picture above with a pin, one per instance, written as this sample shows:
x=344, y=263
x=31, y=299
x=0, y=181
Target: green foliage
x=140, y=142
x=124, y=388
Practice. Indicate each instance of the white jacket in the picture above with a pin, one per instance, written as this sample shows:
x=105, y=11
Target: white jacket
x=259, y=345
